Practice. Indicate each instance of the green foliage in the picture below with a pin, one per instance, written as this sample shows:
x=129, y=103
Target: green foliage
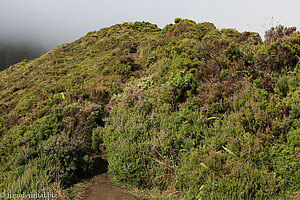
x=282, y=55
x=33, y=177
x=145, y=27
x=97, y=140
x=233, y=50
x=178, y=87
x=177, y=20
x=197, y=151
x=231, y=33
x=150, y=61
x=224, y=73
x=274, y=33
x=69, y=158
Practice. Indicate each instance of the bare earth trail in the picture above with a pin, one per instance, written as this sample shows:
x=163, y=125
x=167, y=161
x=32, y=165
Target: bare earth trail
x=100, y=188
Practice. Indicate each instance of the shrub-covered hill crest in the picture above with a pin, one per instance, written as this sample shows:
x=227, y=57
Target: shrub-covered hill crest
x=187, y=111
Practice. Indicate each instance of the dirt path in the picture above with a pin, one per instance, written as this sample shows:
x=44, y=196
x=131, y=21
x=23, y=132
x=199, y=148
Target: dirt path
x=99, y=187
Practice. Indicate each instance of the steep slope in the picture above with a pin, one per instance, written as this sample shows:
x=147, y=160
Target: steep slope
x=50, y=105
x=188, y=111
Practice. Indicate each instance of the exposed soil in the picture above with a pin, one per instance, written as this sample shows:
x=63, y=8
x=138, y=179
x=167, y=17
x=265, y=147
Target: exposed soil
x=100, y=188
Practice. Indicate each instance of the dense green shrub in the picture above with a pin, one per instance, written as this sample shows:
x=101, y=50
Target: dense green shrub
x=145, y=27
x=177, y=20
x=178, y=86
x=59, y=159
x=282, y=55
x=194, y=150
x=69, y=158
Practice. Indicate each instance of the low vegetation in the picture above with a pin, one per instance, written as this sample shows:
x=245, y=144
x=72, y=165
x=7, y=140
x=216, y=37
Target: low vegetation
x=183, y=112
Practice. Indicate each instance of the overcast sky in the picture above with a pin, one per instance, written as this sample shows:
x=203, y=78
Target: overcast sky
x=54, y=22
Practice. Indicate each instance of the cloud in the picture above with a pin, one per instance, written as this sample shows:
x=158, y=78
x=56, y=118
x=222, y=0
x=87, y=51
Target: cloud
x=53, y=22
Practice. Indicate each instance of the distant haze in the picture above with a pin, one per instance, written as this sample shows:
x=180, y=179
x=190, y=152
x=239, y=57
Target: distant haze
x=49, y=23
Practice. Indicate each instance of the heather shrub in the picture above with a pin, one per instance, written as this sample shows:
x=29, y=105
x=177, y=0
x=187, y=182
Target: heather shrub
x=242, y=181
x=275, y=33
x=97, y=140
x=286, y=84
x=145, y=27
x=178, y=86
x=69, y=158
x=60, y=159
x=177, y=20
x=187, y=152
x=207, y=27
x=233, y=51
x=282, y=55
x=2, y=128
x=231, y=32
x=187, y=29
x=32, y=177
x=61, y=137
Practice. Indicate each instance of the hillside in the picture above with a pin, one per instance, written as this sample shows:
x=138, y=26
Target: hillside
x=187, y=111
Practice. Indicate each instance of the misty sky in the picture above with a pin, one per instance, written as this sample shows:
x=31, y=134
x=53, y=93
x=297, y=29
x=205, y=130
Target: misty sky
x=54, y=22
